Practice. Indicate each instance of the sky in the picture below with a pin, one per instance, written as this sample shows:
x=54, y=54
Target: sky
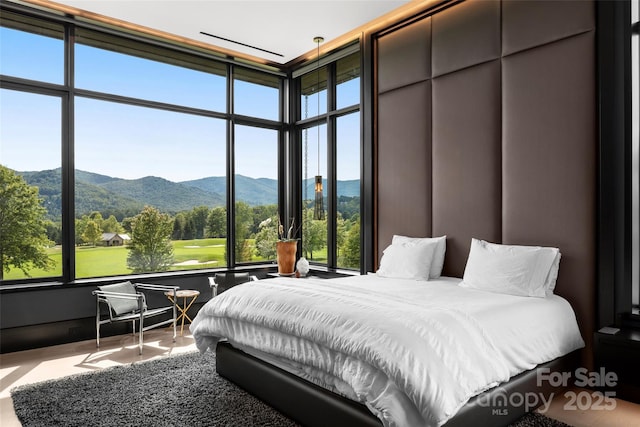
x=131, y=142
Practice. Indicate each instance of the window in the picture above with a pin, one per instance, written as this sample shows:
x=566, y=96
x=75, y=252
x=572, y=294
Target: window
x=31, y=230
x=348, y=190
x=256, y=193
x=111, y=64
x=129, y=157
x=31, y=48
x=256, y=94
x=329, y=135
x=151, y=138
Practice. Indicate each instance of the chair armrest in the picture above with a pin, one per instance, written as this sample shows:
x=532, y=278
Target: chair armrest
x=159, y=288
x=120, y=295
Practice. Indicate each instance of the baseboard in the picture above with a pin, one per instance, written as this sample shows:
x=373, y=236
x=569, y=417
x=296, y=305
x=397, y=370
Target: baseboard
x=48, y=334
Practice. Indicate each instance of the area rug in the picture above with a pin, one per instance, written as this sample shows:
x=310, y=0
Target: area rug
x=182, y=390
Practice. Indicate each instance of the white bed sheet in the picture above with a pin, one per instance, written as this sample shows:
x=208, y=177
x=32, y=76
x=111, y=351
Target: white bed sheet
x=413, y=351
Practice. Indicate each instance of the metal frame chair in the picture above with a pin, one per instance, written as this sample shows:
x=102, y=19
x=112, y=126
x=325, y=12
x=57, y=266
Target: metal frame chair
x=126, y=302
x=228, y=280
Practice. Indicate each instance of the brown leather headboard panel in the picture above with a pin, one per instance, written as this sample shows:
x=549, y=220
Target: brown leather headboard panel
x=499, y=141
x=407, y=56
x=549, y=160
x=404, y=117
x=465, y=36
x=466, y=166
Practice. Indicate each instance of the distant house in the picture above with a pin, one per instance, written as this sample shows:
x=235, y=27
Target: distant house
x=114, y=239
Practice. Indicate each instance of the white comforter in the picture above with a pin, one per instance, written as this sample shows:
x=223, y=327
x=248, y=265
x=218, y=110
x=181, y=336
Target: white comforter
x=414, y=352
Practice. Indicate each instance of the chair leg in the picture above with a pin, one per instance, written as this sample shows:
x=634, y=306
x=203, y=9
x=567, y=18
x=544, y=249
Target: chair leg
x=140, y=343
x=175, y=320
x=97, y=325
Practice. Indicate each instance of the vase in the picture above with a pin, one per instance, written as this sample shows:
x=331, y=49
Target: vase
x=286, y=251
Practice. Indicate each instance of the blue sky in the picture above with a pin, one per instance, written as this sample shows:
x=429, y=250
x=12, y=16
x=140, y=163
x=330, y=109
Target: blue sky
x=131, y=142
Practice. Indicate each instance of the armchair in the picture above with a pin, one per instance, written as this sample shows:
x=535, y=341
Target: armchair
x=126, y=302
x=227, y=280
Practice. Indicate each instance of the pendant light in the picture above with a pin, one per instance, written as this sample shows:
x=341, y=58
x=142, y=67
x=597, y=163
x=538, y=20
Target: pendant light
x=318, y=210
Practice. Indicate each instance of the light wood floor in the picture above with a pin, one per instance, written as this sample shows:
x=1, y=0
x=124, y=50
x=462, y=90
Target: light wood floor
x=31, y=366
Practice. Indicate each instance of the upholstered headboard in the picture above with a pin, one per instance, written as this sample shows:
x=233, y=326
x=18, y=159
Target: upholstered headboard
x=486, y=127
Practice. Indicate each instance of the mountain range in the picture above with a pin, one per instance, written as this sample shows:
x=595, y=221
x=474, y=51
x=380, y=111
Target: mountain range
x=125, y=197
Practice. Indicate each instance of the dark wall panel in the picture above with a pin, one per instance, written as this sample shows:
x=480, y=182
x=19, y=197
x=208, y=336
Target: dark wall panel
x=507, y=137
x=405, y=56
x=465, y=35
x=466, y=160
x=404, y=159
x=553, y=20
x=549, y=160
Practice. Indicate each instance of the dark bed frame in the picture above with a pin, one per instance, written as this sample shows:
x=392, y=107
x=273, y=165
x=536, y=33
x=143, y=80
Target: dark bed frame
x=314, y=406
x=511, y=164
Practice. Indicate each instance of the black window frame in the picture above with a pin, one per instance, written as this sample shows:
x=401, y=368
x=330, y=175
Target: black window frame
x=329, y=118
x=67, y=92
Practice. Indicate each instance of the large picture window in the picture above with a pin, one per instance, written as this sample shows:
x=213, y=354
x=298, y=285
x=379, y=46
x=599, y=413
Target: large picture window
x=149, y=157
x=129, y=157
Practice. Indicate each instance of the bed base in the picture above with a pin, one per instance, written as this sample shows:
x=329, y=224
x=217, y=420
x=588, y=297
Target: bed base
x=312, y=406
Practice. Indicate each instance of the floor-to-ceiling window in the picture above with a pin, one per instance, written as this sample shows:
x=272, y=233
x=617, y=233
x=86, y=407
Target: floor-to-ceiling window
x=136, y=145
x=330, y=144
x=31, y=134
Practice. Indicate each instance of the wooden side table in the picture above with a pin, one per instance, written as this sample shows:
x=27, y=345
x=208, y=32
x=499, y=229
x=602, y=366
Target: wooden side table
x=185, y=294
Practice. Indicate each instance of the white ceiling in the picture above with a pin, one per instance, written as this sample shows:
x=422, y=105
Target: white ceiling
x=286, y=27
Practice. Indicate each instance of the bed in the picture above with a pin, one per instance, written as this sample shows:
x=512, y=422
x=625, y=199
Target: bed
x=411, y=352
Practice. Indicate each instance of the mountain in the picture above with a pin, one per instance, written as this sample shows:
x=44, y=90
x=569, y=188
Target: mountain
x=124, y=197
x=88, y=196
x=165, y=195
x=93, y=178
x=254, y=191
x=348, y=188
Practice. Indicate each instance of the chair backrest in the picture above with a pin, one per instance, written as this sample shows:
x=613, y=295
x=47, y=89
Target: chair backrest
x=120, y=305
x=227, y=280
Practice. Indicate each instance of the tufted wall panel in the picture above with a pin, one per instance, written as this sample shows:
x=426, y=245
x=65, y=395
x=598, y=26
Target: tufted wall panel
x=505, y=140
x=466, y=144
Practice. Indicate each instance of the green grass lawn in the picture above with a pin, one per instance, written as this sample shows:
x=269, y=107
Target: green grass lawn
x=102, y=261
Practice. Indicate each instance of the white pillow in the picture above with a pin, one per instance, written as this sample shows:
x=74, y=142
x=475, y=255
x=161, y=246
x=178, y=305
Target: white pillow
x=550, y=283
x=407, y=260
x=509, y=269
x=438, y=255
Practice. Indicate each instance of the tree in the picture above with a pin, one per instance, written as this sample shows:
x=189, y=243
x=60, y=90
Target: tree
x=351, y=249
x=92, y=233
x=217, y=223
x=23, y=228
x=267, y=237
x=199, y=217
x=244, y=222
x=179, y=222
x=111, y=225
x=314, y=234
x=150, y=248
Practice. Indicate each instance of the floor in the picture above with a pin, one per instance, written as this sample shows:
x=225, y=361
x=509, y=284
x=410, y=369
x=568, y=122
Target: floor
x=54, y=362
x=41, y=364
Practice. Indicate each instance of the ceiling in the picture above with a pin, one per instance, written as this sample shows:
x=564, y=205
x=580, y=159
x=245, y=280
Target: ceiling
x=281, y=27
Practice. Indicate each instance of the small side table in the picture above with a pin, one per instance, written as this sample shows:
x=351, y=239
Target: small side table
x=185, y=294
